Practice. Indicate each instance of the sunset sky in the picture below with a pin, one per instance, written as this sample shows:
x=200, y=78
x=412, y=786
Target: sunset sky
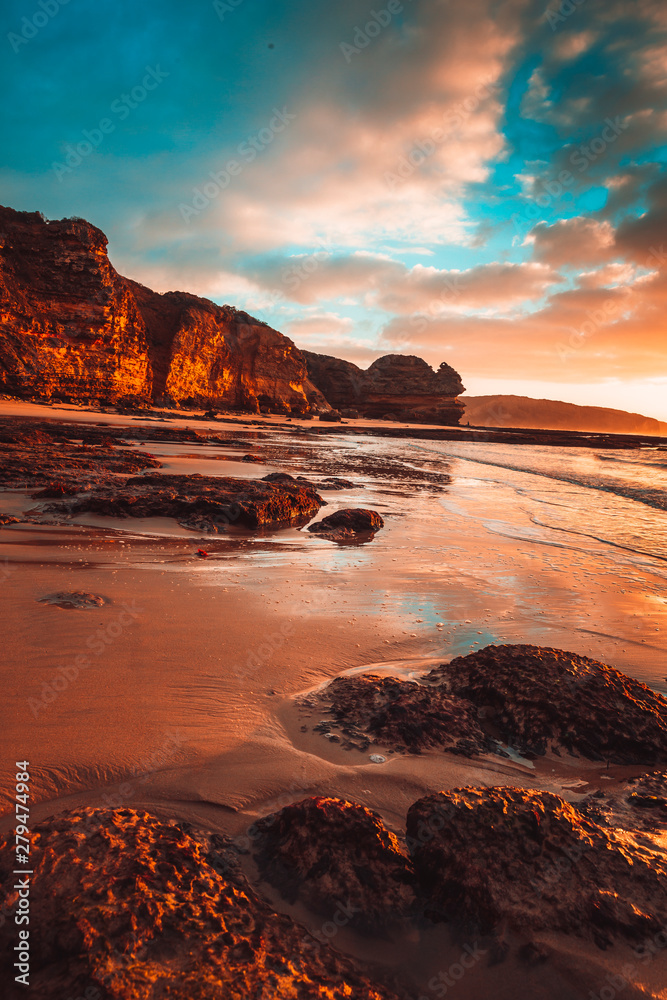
x=481, y=183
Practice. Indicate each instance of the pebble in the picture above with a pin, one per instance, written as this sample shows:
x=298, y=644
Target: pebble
x=377, y=758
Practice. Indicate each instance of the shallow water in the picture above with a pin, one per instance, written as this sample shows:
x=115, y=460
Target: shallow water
x=482, y=543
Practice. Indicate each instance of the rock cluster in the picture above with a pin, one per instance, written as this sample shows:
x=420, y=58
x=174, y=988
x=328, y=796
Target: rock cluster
x=399, y=386
x=134, y=907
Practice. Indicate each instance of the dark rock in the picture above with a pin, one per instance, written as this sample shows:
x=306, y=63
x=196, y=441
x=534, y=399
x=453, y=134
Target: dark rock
x=347, y=524
x=9, y=519
x=490, y=857
x=76, y=599
x=537, y=699
x=397, y=387
x=328, y=483
x=141, y=907
x=335, y=856
x=332, y=417
x=201, y=503
x=399, y=714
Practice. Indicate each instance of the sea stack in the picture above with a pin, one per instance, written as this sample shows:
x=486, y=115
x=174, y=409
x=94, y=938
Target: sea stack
x=396, y=385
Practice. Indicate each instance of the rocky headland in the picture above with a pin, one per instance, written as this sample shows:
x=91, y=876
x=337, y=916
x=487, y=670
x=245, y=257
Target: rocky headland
x=402, y=387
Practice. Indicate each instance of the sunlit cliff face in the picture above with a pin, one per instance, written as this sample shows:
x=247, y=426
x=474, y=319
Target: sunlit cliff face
x=482, y=183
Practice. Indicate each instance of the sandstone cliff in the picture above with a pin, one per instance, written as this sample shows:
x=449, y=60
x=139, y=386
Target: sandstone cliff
x=403, y=386
x=71, y=327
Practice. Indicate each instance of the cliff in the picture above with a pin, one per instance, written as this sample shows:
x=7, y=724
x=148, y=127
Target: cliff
x=402, y=386
x=522, y=411
x=71, y=327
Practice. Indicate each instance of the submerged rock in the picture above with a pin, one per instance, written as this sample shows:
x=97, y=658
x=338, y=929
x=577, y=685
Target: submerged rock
x=141, y=908
x=76, y=599
x=348, y=525
x=490, y=856
x=541, y=699
x=337, y=857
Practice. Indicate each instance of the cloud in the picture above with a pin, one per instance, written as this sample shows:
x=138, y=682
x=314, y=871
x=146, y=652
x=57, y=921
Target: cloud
x=572, y=242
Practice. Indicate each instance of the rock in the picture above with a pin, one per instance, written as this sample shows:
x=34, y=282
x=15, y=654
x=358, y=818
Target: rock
x=538, y=699
x=336, y=856
x=328, y=483
x=396, y=386
x=75, y=599
x=43, y=455
x=74, y=329
x=348, y=524
x=333, y=416
x=490, y=857
x=402, y=715
x=201, y=503
x=144, y=908
x=8, y=519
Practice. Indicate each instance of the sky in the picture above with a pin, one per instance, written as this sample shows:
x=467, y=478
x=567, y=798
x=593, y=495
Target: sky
x=481, y=183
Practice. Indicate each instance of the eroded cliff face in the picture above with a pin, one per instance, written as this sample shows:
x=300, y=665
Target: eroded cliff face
x=71, y=327
x=402, y=386
x=218, y=355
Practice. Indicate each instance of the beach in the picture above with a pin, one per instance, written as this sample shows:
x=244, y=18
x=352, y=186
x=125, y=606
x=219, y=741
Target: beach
x=188, y=703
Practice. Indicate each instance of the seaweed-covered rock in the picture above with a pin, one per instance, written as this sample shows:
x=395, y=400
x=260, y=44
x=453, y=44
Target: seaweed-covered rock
x=539, y=699
x=140, y=908
x=490, y=856
x=202, y=503
x=337, y=858
x=403, y=715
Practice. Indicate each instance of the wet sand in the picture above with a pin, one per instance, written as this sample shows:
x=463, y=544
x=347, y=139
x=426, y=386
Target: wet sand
x=187, y=706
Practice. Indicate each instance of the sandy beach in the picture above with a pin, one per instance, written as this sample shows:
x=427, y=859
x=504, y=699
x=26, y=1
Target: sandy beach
x=186, y=704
